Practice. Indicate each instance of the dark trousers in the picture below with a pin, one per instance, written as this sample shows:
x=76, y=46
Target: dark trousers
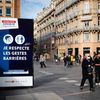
x=65, y=63
x=90, y=79
x=42, y=64
x=97, y=75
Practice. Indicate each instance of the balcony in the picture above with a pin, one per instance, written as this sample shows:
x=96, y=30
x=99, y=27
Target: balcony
x=87, y=17
x=59, y=10
x=60, y=21
x=72, y=15
x=76, y=29
x=47, y=36
x=46, y=24
x=69, y=3
x=60, y=33
x=66, y=5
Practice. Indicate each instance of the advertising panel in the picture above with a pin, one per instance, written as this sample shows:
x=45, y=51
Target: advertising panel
x=16, y=52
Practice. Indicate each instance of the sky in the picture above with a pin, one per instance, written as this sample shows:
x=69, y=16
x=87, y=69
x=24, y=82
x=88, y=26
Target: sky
x=30, y=8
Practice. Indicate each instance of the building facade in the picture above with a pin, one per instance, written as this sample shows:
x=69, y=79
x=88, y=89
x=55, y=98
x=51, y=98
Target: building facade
x=10, y=8
x=46, y=30
x=77, y=27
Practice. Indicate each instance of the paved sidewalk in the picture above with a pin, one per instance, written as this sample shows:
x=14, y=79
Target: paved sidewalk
x=53, y=83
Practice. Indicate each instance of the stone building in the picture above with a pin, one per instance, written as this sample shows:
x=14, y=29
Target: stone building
x=10, y=8
x=76, y=24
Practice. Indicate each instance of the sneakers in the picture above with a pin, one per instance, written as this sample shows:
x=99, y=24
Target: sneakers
x=92, y=89
x=81, y=87
x=97, y=83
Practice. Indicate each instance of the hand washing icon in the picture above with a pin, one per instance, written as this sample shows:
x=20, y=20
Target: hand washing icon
x=8, y=39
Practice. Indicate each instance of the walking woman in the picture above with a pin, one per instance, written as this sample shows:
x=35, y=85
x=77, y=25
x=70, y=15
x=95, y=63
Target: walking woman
x=87, y=73
x=42, y=61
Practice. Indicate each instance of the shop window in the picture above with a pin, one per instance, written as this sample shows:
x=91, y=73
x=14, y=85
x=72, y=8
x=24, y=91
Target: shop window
x=98, y=50
x=86, y=51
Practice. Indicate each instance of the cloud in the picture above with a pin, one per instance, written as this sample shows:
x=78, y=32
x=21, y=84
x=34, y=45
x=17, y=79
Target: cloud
x=42, y=2
x=30, y=8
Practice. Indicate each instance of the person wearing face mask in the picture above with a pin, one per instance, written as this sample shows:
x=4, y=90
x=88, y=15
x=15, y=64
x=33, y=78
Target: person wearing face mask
x=97, y=69
x=87, y=72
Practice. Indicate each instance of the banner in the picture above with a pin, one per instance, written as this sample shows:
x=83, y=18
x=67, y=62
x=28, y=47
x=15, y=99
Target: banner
x=16, y=53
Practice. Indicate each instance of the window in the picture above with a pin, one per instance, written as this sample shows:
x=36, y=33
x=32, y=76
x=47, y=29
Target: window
x=8, y=1
x=86, y=7
x=99, y=4
x=99, y=36
x=0, y=11
x=86, y=24
x=99, y=21
x=86, y=37
x=8, y=11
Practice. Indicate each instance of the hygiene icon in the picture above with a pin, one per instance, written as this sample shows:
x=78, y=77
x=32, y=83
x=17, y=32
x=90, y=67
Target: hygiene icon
x=8, y=39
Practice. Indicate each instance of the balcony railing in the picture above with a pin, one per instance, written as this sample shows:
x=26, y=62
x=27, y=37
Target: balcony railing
x=60, y=10
x=72, y=30
x=46, y=24
x=60, y=21
x=48, y=36
x=76, y=29
x=69, y=3
x=60, y=33
x=72, y=15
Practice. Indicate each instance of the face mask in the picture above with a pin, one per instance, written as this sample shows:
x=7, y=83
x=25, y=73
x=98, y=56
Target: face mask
x=88, y=58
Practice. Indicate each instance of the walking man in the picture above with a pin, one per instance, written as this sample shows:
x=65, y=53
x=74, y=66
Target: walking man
x=87, y=73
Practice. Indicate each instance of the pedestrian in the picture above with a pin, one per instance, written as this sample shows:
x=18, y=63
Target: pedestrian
x=97, y=68
x=79, y=57
x=55, y=58
x=87, y=73
x=42, y=61
x=65, y=59
x=69, y=60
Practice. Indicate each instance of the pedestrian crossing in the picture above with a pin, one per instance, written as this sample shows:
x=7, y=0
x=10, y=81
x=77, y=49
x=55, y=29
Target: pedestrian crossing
x=45, y=72
x=71, y=81
x=36, y=96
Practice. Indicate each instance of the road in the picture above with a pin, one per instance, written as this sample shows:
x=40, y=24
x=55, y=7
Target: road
x=53, y=83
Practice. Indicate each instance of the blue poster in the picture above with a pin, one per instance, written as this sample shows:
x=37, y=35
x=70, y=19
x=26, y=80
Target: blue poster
x=16, y=51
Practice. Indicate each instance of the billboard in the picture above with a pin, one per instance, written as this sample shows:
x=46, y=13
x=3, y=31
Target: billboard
x=16, y=52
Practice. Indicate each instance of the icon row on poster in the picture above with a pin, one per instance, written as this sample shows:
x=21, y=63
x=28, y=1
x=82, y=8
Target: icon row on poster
x=8, y=39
